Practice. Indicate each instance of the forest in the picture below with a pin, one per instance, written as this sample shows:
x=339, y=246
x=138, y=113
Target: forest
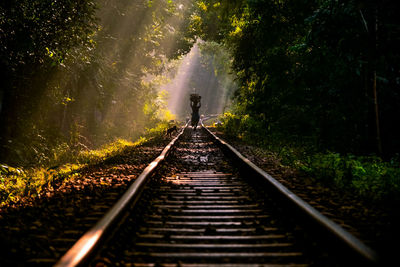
x=309, y=87
x=325, y=71
x=318, y=84
x=309, y=77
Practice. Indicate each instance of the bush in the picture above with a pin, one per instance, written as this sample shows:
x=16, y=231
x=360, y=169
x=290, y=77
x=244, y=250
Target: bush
x=230, y=125
x=366, y=176
x=243, y=127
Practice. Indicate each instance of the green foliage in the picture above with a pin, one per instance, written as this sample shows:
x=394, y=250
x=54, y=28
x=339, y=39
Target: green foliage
x=106, y=151
x=230, y=124
x=79, y=75
x=306, y=67
x=43, y=31
x=252, y=130
x=243, y=127
x=159, y=130
x=18, y=183
x=157, y=110
x=305, y=70
x=29, y=182
x=367, y=177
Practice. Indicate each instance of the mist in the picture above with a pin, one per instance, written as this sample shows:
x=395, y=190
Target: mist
x=109, y=84
x=204, y=72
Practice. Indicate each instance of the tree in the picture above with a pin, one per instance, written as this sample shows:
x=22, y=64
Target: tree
x=76, y=66
x=306, y=68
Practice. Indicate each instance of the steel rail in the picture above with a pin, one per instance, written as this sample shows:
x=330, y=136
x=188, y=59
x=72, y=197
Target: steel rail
x=87, y=244
x=338, y=232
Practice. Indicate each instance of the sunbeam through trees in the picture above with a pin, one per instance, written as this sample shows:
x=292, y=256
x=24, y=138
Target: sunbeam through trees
x=92, y=90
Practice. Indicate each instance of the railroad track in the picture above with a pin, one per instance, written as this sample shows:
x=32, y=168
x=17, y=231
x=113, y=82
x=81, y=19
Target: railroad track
x=200, y=203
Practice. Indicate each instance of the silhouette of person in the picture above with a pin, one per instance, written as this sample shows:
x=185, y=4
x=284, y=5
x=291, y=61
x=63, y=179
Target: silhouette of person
x=195, y=104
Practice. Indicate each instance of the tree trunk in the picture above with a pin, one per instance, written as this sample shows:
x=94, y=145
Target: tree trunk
x=372, y=30
x=377, y=124
x=374, y=48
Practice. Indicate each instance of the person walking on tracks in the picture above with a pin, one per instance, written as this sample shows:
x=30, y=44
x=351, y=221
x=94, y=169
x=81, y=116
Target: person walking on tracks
x=195, y=104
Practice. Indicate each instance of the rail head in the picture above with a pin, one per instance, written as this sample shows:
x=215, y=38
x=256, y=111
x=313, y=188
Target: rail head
x=340, y=233
x=86, y=245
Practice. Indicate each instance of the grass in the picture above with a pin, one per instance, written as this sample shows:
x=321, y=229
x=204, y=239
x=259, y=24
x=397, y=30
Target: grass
x=107, y=151
x=18, y=183
x=366, y=176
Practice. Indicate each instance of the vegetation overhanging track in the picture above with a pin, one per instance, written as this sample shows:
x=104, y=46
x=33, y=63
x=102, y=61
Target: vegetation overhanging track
x=175, y=207
x=86, y=245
